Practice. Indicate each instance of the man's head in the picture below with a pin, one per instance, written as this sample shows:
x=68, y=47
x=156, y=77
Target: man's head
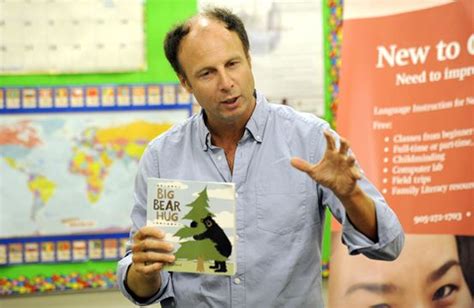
x=210, y=53
x=174, y=37
x=428, y=273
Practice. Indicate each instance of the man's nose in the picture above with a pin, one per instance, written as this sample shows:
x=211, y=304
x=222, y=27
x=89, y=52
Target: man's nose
x=225, y=81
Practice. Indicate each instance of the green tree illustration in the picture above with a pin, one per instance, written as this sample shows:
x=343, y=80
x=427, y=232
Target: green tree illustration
x=200, y=250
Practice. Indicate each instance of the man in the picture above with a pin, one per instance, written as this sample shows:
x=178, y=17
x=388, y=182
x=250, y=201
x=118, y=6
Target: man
x=239, y=137
x=429, y=273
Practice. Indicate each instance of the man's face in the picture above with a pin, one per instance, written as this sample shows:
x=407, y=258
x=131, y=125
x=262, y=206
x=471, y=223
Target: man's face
x=217, y=72
x=426, y=275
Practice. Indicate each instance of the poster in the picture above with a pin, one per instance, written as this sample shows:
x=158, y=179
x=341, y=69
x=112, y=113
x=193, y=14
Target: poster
x=433, y=270
x=407, y=108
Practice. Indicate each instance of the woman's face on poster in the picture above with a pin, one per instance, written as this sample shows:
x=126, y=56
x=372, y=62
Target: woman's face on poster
x=427, y=274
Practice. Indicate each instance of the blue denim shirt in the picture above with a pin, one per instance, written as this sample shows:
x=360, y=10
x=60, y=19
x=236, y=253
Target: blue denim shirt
x=279, y=213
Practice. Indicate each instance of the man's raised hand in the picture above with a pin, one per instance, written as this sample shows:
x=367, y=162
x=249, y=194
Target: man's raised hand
x=336, y=170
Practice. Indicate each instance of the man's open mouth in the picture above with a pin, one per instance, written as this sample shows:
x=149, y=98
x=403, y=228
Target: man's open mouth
x=230, y=100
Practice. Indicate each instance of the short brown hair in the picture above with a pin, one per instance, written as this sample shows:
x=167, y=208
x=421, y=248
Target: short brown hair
x=177, y=33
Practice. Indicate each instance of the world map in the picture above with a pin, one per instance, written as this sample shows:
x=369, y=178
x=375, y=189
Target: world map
x=73, y=173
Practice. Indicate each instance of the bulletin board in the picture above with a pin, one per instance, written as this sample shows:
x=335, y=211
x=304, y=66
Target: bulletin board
x=69, y=148
x=64, y=36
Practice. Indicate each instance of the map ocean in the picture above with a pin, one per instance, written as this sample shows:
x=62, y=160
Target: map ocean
x=72, y=173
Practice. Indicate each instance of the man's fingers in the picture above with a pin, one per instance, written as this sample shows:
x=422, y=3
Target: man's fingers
x=301, y=164
x=344, y=146
x=350, y=161
x=153, y=267
x=149, y=231
x=149, y=268
x=330, y=140
x=153, y=245
x=151, y=262
x=356, y=173
x=150, y=257
x=150, y=251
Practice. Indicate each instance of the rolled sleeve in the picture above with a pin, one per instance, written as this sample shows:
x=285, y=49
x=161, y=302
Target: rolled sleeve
x=389, y=230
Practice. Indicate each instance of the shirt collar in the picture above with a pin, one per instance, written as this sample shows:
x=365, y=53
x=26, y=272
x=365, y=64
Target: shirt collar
x=256, y=123
x=255, y=126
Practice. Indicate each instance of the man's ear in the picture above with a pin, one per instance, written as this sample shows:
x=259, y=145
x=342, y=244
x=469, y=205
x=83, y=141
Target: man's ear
x=185, y=84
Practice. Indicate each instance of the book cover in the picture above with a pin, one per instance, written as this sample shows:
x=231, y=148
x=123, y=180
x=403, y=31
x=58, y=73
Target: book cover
x=199, y=219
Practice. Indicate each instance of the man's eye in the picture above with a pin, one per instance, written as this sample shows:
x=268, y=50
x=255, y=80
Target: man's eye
x=380, y=306
x=444, y=292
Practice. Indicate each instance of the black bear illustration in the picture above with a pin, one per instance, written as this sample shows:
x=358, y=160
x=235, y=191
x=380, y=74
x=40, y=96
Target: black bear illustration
x=215, y=233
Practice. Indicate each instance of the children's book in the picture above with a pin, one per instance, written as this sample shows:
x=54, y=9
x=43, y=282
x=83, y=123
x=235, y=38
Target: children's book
x=199, y=219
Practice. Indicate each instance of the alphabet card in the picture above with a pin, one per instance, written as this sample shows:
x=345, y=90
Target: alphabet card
x=199, y=219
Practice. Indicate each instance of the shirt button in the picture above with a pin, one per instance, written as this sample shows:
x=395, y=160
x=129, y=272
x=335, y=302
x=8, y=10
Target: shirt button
x=219, y=157
x=237, y=280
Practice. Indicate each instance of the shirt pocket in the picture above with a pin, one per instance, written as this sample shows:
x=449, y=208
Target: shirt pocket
x=281, y=198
